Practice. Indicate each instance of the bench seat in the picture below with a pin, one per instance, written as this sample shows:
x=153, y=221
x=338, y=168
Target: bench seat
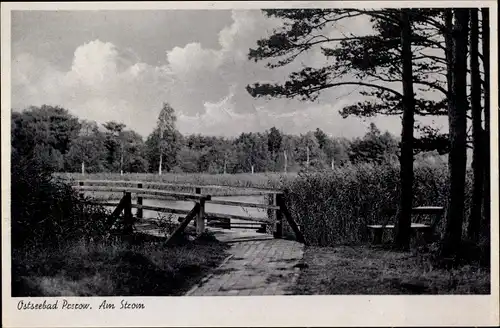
x=378, y=230
x=391, y=226
x=426, y=229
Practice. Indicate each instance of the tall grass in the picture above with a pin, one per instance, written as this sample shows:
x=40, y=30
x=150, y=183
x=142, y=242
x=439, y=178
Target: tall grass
x=334, y=207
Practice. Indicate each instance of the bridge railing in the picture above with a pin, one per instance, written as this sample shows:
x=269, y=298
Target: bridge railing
x=275, y=205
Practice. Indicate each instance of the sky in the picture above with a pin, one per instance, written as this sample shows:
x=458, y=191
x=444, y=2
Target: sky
x=122, y=66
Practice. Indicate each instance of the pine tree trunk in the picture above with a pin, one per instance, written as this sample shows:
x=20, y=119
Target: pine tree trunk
x=457, y=125
x=485, y=24
x=477, y=131
x=83, y=168
x=252, y=168
x=307, y=163
x=448, y=40
x=403, y=224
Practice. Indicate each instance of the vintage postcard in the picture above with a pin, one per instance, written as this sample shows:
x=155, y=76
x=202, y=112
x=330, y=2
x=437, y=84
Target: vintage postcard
x=250, y=163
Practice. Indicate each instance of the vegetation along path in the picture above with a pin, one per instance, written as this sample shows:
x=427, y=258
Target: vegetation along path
x=254, y=267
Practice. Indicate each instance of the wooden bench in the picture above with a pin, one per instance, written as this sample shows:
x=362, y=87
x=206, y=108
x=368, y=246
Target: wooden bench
x=426, y=229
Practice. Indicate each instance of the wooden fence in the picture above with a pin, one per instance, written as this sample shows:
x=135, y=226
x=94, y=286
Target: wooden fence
x=275, y=204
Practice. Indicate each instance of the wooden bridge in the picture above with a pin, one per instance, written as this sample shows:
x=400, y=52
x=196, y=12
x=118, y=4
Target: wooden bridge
x=200, y=196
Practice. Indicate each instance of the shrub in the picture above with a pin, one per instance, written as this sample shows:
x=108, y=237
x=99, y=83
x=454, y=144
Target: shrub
x=45, y=211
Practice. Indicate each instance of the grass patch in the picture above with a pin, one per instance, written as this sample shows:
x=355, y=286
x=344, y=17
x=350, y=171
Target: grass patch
x=365, y=270
x=142, y=267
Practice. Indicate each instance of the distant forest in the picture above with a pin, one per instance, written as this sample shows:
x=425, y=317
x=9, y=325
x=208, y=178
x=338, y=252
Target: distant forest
x=59, y=141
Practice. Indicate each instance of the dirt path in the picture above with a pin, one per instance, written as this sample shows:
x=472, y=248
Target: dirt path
x=254, y=267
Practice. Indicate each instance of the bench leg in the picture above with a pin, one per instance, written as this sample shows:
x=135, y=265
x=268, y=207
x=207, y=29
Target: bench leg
x=427, y=235
x=377, y=236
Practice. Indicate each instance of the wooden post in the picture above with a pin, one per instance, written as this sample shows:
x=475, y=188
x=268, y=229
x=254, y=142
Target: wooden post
x=271, y=213
x=197, y=190
x=298, y=234
x=200, y=220
x=278, y=227
x=128, y=217
x=81, y=192
x=183, y=224
x=112, y=218
x=227, y=224
x=139, y=202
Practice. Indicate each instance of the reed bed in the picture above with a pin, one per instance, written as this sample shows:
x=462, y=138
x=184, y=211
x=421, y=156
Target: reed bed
x=334, y=207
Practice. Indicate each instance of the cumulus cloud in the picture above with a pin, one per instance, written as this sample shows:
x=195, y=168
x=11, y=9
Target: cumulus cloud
x=205, y=86
x=95, y=62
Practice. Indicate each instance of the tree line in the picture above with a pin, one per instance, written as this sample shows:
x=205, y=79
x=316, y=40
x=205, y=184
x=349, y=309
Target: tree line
x=50, y=136
x=414, y=62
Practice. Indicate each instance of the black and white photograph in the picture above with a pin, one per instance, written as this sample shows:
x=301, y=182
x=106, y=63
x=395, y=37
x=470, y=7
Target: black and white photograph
x=298, y=149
